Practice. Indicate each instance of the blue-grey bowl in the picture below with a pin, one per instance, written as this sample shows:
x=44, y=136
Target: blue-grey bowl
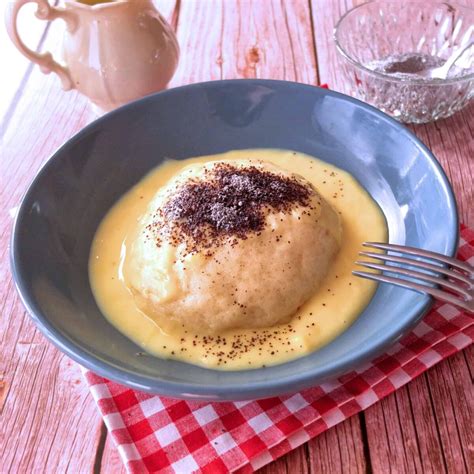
x=71, y=194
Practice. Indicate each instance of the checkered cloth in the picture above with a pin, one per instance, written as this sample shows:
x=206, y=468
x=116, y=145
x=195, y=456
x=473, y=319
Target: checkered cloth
x=154, y=433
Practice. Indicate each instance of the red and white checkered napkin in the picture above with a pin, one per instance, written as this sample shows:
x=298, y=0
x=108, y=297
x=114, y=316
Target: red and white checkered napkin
x=154, y=433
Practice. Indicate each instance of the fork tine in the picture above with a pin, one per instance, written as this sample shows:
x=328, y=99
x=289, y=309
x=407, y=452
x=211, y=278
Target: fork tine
x=419, y=264
x=439, y=294
x=423, y=253
x=414, y=274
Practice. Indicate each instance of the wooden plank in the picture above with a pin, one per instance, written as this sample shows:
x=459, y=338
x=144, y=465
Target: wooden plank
x=325, y=14
x=452, y=142
x=49, y=420
x=425, y=426
x=422, y=426
x=270, y=39
x=469, y=357
x=48, y=417
x=402, y=432
x=111, y=462
x=339, y=450
x=295, y=461
x=32, y=32
x=452, y=396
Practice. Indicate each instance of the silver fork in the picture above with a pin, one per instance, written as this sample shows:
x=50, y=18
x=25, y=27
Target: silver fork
x=445, y=272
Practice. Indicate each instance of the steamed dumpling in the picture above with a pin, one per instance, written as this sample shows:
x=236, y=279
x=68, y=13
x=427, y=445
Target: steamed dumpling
x=231, y=244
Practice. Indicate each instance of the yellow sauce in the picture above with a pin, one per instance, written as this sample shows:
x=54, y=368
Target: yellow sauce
x=334, y=307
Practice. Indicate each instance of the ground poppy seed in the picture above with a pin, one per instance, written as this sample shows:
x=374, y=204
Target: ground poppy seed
x=231, y=202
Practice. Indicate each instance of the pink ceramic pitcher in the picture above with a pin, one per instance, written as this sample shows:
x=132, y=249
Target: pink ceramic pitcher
x=114, y=51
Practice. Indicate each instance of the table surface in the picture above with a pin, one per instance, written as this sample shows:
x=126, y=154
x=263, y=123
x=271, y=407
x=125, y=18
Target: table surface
x=49, y=420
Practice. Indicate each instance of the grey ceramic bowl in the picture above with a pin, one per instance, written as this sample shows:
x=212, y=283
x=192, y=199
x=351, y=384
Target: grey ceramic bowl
x=73, y=191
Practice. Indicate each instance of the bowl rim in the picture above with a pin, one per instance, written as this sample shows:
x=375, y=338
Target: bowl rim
x=218, y=392
x=387, y=77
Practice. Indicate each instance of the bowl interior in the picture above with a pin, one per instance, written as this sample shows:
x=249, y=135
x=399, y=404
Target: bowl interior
x=64, y=205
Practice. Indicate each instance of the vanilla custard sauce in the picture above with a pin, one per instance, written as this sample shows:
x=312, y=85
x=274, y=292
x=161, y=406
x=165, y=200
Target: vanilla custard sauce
x=332, y=309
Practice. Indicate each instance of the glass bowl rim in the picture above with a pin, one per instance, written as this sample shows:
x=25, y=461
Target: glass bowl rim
x=387, y=77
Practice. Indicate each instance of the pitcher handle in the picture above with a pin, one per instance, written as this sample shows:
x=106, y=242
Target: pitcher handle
x=45, y=60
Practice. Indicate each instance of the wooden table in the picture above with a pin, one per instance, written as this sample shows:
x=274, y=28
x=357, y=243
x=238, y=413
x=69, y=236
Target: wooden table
x=49, y=422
